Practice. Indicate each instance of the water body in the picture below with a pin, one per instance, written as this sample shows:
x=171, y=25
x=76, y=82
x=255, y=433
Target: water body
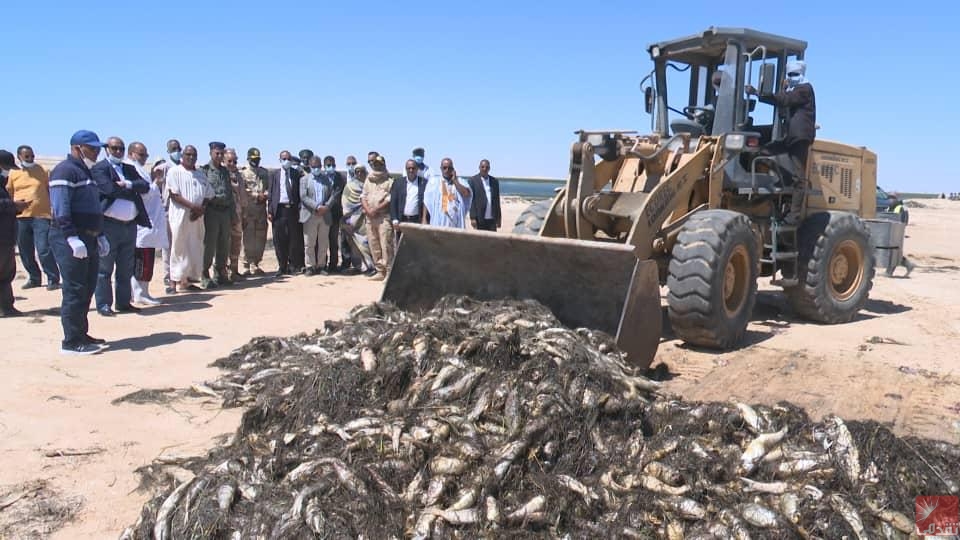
x=529, y=188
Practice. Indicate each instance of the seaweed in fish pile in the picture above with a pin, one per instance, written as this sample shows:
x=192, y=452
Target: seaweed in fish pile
x=492, y=419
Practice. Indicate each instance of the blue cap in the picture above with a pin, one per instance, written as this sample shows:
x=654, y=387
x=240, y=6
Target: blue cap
x=86, y=137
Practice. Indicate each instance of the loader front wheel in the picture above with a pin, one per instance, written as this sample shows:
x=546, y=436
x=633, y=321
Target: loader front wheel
x=836, y=268
x=531, y=220
x=712, y=279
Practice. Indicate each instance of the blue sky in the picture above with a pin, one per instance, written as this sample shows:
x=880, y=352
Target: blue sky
x=507, y=81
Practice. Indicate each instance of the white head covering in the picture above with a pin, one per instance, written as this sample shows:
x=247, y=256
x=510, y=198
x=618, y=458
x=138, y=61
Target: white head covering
x=796, y=66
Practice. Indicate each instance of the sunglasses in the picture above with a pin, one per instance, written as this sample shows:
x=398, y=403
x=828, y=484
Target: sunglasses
x=117, y=148
x=445, y=168
x=793, y=74
x=232, y=161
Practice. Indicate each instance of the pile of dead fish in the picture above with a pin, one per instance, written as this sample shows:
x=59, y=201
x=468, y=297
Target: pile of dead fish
x=491, y=419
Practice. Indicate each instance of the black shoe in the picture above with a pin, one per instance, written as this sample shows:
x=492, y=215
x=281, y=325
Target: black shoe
x=106, y=311
x=11, y=312
x=94, y=341
x=30, y=284
x=80, y=349
x=309, y=272
x=350, y=271
x=53, y=286
x=128, y=309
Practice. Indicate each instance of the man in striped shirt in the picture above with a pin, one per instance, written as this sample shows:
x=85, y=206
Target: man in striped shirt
x=77, y=240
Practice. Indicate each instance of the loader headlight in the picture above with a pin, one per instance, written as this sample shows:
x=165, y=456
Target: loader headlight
x=734, y=142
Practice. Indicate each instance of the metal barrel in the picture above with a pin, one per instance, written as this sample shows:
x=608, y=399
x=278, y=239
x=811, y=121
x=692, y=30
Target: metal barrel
x=590, y=284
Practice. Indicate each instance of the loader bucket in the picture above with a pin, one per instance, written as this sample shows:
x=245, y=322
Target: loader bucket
x=591, y=284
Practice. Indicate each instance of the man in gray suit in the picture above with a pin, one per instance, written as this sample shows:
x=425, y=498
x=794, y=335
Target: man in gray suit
x=317, y=192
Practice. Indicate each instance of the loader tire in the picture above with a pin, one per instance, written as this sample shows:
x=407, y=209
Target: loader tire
x=531, y=220
x=712, y=279
x=836, y=268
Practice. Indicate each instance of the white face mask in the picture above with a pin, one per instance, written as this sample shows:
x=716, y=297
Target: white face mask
x=27, y=164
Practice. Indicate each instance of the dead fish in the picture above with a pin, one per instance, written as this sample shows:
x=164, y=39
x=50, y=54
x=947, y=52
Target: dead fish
x=793, y=468
x=686, y=508
x=759, y=515
x=664, y=473
x=434, y=490
x=368, y=359
x=457, y=517
x=844, y=450
x=750, y=417
x=493, y=510
x=225, y=495
x=738, y=528
x=849, y=514
x=650, y=483
x=480, y=405
x=466, y=497
x=421, y=345
x=204, y=389
x=675, y=530
x=161, y=529
x=764, y=487
x=901, y=522
x=445, y=465
x=421, y=531
x=313, y=517
x=264, y=374
x=463, y=386
x=313, y=349
x=758, y=447
x=413, y=488
x=577, y=487
x=526, y=511
x=443, y=376
x=790, y=506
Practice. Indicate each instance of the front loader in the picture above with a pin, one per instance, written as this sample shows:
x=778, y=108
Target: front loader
x=698, y=204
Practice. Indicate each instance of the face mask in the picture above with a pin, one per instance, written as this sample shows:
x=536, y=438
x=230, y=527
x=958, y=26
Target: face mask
x=418, y=159
x=255, y=162
x=114, y=160
x=27, y=164
x=350, y=172
x=285, y=163
x=175, y=156
x=89, y=162
x=316, y=172
x=794, y=80
x=331, y=168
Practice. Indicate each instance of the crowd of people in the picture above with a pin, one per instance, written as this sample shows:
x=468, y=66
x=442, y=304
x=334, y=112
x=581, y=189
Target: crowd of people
x=96, y=225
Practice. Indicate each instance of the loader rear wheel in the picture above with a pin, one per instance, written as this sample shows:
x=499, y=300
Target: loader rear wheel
x=836, y=268
x=712, y=279
x=531, y=220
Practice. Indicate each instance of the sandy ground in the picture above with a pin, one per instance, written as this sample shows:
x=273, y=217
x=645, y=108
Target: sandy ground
x=897, y=363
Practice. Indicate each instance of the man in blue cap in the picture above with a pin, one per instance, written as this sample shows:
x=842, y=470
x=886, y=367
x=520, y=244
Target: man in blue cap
x=77, y=240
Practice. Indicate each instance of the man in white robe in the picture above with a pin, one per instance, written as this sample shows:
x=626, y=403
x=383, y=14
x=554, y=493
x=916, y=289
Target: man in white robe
x=189, y=194
x=447, y=198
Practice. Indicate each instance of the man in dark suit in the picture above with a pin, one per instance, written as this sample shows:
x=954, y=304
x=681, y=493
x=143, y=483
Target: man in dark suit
x=485, y=208
x=283, y=209
x=406, y=196
x=336, y=214
x=120, y=186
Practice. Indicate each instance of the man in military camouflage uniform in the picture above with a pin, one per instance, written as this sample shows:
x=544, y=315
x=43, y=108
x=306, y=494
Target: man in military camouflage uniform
x=217, y=218
x=255, y=214
x=239, y=205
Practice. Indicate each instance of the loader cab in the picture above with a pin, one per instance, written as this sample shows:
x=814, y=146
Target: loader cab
x=680, y=96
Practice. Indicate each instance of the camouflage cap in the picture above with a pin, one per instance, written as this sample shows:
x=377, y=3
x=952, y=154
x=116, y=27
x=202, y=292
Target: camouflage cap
x=253, y=153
